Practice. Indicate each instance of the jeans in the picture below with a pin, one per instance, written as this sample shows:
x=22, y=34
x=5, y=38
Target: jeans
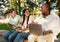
x=21, y=36
x=9, y=36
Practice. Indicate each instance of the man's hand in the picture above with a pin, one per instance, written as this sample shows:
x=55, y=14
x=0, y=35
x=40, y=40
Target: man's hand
x=14, y=27
x=50, y=31
x=47, y=32
x=19, y=26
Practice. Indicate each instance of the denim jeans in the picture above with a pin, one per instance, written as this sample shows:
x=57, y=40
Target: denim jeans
x=21, y=36
x=9, y=36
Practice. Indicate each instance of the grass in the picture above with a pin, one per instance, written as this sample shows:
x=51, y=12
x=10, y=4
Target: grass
x=5, y=27
x=58, y=36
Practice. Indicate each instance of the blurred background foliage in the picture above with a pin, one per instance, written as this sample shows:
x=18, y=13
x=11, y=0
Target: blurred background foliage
x=19, y=5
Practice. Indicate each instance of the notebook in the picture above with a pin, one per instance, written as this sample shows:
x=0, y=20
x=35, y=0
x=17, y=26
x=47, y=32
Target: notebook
x=35, y=29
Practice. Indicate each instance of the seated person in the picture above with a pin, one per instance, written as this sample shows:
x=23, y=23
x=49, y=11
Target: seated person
x=27, y=18
x=14, y=20
x=50, y=24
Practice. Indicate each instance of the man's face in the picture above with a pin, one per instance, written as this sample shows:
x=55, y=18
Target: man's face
x=45, y=10
x=13, y=14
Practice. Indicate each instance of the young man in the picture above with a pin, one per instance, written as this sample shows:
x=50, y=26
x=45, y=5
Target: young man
x=14, y=20
x=50, y=24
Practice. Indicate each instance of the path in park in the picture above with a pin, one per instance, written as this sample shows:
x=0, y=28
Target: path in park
x=2, y=32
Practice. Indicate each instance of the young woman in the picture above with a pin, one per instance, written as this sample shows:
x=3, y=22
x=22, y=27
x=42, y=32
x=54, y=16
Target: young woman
x=26, y=20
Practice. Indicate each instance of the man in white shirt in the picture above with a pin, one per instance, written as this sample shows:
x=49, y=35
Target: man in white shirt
x=50, y=25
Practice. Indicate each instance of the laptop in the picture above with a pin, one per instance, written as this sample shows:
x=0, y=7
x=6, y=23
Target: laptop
x=35, y=29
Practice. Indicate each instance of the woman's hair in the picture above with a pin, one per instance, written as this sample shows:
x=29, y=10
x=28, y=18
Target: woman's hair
x=24, y=16
x=11, y=10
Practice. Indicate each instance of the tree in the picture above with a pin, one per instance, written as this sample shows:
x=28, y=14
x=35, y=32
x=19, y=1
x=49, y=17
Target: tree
x=13, y=4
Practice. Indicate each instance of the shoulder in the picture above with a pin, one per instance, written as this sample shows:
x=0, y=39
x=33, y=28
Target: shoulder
x=18, y=15
x=55, y=16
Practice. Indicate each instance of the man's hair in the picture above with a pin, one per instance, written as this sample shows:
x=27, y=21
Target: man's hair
x=11, y=10
x=48, y=5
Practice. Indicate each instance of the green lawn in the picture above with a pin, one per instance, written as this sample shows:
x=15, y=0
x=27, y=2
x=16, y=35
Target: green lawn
x=5, y=27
